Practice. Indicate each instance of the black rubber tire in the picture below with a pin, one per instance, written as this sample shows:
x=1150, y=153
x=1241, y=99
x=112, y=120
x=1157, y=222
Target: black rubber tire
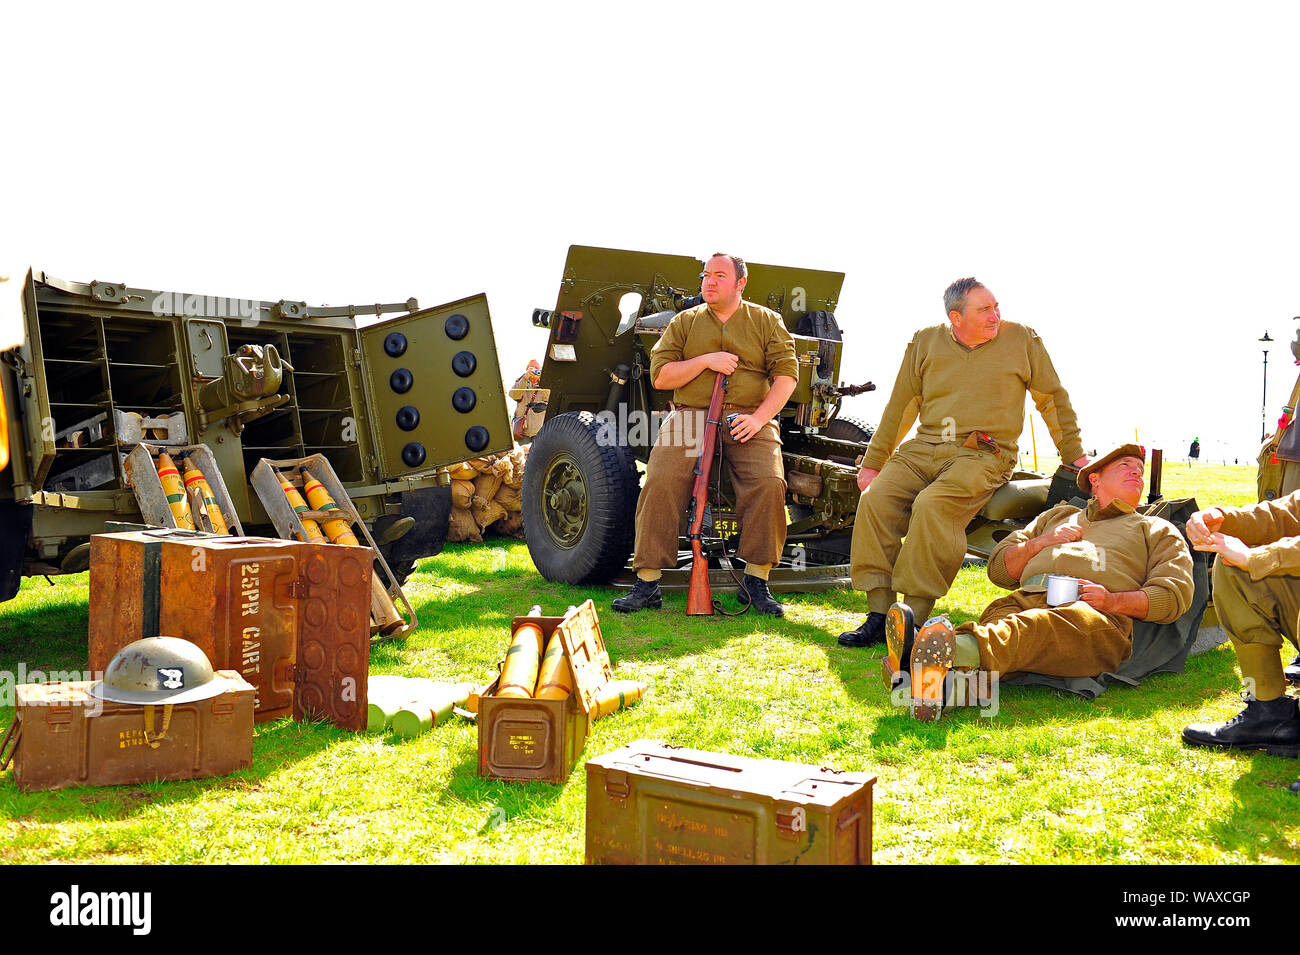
x=592, y=550
x=402, y=570
x=15, y=529
x=850, y=429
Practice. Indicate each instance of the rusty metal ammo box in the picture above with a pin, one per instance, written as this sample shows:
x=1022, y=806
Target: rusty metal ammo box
x=654, y=803
x=62, y=736
x=293, y=619
x=525, y=740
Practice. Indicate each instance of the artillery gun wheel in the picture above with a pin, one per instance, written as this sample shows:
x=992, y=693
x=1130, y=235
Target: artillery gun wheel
x=850, y=429
x=401, y=570
x=579, y=501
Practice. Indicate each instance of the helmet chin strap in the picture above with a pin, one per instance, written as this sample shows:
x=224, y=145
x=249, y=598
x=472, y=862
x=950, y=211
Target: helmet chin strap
x=155, y=739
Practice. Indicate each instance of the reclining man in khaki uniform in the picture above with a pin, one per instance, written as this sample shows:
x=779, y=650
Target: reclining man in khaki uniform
x=1257, y=599
x=967, y=382
x=751, y=345
x=1130, y=566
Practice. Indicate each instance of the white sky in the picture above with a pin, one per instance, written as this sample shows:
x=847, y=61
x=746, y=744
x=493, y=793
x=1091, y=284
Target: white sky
x=1123, y=176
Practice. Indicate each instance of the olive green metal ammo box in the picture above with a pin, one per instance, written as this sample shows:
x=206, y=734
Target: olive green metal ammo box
x=655, y=803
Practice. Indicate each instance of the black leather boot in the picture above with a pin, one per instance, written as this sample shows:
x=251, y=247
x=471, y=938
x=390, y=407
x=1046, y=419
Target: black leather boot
x=754, y=590
x=1271, y=725
x=644, y=595
x=871, y=632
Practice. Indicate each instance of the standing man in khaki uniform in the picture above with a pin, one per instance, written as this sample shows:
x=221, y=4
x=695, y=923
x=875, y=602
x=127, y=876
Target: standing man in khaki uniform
x=753, y=348
x=966, y=380
x=1130, y=566
x=1257, y=599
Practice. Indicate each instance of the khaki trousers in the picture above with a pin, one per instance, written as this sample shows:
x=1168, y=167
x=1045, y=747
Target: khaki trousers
x=757, y=474
x=928, y=493
x=1256, y=611
x=1019, y=633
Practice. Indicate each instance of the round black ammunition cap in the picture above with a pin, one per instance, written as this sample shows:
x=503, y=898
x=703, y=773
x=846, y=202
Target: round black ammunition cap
x=413, y=454
x=395, y=344
x=464, y=400
x=463, y=363
x=401, y=380
x=457, y=327
x=476, y=438
x=408, y=418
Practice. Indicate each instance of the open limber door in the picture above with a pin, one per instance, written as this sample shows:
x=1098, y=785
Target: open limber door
x=434, y=388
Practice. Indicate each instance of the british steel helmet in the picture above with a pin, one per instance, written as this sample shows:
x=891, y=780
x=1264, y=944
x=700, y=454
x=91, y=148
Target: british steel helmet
x=158, y=670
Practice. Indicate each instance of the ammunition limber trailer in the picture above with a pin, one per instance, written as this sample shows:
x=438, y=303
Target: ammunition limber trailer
x=102, y=366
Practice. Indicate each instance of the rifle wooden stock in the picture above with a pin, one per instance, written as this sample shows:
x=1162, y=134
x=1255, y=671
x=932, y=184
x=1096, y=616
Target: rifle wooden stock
x=699, y=598
x=1157, y=466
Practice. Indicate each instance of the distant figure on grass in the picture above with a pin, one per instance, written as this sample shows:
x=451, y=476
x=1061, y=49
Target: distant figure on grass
x=1130, y=567
x=1194, y=452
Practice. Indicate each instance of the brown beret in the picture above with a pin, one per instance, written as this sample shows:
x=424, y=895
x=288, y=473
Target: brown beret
x=1123, y=451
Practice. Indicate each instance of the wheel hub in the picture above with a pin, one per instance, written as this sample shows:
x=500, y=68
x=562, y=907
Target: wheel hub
x=566, y=495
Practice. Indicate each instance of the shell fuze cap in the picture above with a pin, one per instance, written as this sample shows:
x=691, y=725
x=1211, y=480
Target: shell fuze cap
x=159, y=670
x=1123, y=451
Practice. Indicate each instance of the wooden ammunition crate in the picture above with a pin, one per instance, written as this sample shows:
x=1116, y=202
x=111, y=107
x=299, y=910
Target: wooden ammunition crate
x=522, y=740
x=654, y=803
x=63, y=736
x=293, y=619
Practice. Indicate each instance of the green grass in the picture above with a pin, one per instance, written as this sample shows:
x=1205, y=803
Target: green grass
x=1049, y=778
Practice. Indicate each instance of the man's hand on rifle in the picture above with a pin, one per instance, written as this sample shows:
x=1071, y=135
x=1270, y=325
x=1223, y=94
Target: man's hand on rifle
x=866, y=476
x=723, y=361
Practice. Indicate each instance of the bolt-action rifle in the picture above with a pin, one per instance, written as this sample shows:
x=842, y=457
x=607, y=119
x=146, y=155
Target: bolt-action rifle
x=699, y=598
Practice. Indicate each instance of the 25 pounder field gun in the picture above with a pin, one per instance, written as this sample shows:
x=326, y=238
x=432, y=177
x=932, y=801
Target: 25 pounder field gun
x=602, y=412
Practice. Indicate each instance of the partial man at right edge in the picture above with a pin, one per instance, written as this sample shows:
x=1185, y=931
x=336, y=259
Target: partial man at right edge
x=1257, y=600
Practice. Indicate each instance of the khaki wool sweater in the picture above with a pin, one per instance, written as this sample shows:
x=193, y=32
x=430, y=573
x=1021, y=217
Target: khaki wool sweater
x=754, y=334
x=956, y=390
x=1121, y=549
x=1272, y=530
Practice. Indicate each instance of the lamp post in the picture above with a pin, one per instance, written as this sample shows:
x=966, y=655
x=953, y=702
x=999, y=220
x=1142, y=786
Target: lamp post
x=1263, y=408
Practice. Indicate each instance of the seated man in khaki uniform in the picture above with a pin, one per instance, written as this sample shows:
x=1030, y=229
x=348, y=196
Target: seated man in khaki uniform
x=752, y=347
x=966, y=381
x=1130, y=566
x=1257, y=599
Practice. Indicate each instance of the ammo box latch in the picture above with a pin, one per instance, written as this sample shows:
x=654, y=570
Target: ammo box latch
x=617, y=787
x=298, y=589
x=791, y=822
x=59, y=719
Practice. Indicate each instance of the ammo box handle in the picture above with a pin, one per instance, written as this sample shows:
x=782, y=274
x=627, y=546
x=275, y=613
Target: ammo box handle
x=14, y=735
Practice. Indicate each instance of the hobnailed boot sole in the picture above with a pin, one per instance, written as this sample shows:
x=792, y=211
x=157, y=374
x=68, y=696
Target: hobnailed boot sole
x=932, y=656
x=900, y=634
